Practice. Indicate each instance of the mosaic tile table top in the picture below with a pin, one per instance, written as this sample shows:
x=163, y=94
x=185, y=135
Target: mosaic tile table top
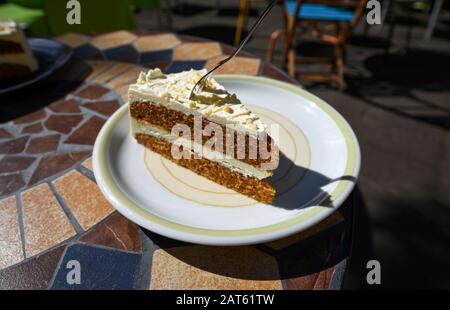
x=52, y=212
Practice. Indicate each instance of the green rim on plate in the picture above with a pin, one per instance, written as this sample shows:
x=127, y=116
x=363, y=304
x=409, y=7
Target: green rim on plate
x=343, y=187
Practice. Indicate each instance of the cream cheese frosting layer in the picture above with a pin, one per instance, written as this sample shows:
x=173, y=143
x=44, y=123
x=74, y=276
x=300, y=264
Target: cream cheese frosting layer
x=213, y=102
x=226, y=161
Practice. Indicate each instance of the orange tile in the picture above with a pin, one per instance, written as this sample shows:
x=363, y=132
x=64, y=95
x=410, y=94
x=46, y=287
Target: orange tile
x=88, y=164
x=113, y=39
x=126, y=78
x=328, y=222
x=74, y=40
x=98, y=67
x=156, y=42
x=10, y=241
x=196, y=51
x=113, y=72
x=237, y=65
x=202, y=267
x=83, y=198
x=45, y=222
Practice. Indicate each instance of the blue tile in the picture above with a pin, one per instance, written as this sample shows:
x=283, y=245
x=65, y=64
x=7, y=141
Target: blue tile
x=87, y=51
x=178, y=66
x=125, y=53
x=99, y=269
x=157, y=56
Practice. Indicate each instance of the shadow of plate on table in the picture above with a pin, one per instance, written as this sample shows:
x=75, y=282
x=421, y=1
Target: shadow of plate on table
x=255, y=262
x=51, y=89
x=307, y=258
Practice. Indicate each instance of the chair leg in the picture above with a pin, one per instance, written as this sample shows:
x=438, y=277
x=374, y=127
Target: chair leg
x=272, y=42
x=243, y=14
x=339, y=63
x=289, y=39
x=292, y=63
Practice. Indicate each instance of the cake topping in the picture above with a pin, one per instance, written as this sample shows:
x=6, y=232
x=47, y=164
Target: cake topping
x=7, y=26
x=213, y=101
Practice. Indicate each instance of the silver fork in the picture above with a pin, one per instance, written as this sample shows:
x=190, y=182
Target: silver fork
x=201, y=83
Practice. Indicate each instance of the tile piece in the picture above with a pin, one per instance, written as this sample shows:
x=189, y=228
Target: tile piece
x=74, y=40
x=88, y=164
x=323, y=279
x=301, y=268
x=30, y=118
x=92, y=92
x=84, y=198
x=13, y=146
x=87, y=133
x=159, y=64
x=201, y=267
x=88, y=51
x=98, y=67
x=10, y=164
x=115, y=71
x=197, y=51
x=164, y=55
x=106, y=108
x=178, y=66
x=113, y=39
x=10, y=183
x=63, y=123
x=116, y=232
x=35, y=128
x=10, y=242
x=33, y=274
x=52, y=164
x=43, y=144
x=101, y=269
x=125, y=79
x=125, y=53
x=5, y=134
x=45, y=223
x=65, y=106
x=328, y=222
x=156, y=42
x=237, y=65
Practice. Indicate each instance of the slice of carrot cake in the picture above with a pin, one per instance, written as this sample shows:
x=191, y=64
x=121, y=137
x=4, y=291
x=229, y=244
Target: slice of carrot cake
x=16, y=56
x=212, y=134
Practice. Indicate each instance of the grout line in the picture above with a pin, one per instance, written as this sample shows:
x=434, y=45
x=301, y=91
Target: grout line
x=143, y=276
x=86, y=172
x=21, y=222
x=58, y=266
x=66, y=209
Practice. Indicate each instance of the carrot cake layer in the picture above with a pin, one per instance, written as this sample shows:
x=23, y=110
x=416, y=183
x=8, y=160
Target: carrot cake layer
x=260, y=190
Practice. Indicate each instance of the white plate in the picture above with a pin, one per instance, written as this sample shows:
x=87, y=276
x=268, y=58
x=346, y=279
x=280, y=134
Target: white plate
x=318, y=170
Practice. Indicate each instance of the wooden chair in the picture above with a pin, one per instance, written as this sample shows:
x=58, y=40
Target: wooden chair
x=244, y=7
x=330, y=21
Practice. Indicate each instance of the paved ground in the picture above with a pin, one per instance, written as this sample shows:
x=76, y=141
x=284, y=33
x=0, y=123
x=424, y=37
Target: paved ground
x=399, y=107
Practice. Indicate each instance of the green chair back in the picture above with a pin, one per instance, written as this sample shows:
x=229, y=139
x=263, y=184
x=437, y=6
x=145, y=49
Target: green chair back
x=32, y=4
x=32, y=20
x=97, y=16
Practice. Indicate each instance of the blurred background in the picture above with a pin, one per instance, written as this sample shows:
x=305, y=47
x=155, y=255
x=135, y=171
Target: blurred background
x=390, y=81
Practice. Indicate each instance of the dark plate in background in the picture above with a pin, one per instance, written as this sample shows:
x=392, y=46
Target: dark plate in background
x=51, y=56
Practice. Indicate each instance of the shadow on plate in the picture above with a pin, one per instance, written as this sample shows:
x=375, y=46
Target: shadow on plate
x=289, y=176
